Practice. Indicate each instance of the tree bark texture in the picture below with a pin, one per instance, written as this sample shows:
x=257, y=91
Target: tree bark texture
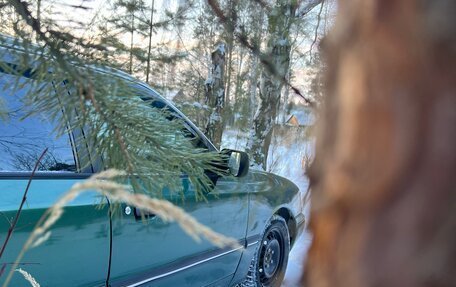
x=231, y=6
x=271, y=80
x=254, y=70
x=215, y=95
x=384, y=177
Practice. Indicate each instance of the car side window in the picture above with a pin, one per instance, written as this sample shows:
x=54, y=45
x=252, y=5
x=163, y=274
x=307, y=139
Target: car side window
x=194, y=137
x=23, y=139
x=186, y=130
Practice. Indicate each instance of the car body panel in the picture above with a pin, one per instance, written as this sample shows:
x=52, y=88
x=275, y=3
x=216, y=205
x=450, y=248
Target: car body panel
x=78, y=242
x=224, y=210
x=268, y=194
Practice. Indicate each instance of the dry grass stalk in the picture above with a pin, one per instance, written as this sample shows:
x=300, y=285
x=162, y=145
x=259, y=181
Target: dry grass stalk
x=115, y=192
x=41, y=239
x=28, y=277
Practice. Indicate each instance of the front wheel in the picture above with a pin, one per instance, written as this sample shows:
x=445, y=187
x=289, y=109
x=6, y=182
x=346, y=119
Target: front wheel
x=271, y=258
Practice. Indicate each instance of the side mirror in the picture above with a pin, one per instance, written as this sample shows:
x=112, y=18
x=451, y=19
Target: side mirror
x=238, y=162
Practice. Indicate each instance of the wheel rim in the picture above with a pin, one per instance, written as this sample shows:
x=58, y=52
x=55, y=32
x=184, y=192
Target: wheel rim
x=271, y=256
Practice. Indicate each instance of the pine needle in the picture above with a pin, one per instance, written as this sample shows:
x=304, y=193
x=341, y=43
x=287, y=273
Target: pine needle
x=41, y=240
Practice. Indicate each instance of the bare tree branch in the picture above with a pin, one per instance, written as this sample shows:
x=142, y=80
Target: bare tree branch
x=306, y=6
x=243, y=39
x=24, y=198
x=316, y=28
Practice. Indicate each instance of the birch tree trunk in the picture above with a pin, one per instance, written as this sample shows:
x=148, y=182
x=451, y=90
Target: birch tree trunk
x=271, y=80
x=253, y=82
x=254, y=73
x=239, y=78
x=229, y=68
x=215, y=95
x=285, y=99
x=232, y=5
x=383, y=181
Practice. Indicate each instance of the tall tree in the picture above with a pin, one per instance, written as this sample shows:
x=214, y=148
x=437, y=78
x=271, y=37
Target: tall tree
x=383, y=181
x=215, y=95
x=257, y=31
x=125, y=20
x=229, y=35
x=271, y=82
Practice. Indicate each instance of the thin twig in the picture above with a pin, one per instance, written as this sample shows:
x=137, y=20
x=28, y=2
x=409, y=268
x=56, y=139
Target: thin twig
x=190, y=54
x=316, y=29
x=24, y=198
x=304, y=11
x=2, y=269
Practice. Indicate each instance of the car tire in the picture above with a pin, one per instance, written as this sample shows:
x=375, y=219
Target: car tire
x=269, y=264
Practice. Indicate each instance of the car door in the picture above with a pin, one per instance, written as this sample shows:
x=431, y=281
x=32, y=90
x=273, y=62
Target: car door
x=152, y=252
x=76, y=252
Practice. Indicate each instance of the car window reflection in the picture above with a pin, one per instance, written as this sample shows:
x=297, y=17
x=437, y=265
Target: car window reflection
x=186, y=130
x=22, y=140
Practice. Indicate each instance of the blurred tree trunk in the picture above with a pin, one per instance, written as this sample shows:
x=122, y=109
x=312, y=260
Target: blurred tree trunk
x=215, y=95
x=271, y=80
x=384, y=176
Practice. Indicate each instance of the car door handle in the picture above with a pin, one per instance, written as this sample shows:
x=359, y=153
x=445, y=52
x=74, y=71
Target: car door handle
x=139, y=215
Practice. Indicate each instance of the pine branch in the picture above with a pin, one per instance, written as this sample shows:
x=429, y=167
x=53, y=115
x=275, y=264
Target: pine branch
x=120, y=123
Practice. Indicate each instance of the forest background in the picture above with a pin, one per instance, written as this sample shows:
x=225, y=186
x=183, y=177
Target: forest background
x=170, y=45
x=247, y=73
x=383, y=178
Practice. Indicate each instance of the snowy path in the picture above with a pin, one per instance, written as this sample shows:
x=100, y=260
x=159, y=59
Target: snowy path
x=296, y=260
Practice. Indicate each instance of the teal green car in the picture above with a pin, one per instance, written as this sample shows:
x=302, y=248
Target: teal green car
x=88, y=247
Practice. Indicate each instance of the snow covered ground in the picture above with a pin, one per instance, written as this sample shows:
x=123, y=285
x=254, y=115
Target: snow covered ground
x=290, y=148
x=296, y=260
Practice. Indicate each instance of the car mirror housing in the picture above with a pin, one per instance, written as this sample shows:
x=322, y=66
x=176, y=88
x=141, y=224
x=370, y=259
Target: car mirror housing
x=238, y=162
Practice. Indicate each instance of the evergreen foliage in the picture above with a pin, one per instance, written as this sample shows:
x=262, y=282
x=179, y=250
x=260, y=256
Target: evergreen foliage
x=182, y=35
x=124, y=129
